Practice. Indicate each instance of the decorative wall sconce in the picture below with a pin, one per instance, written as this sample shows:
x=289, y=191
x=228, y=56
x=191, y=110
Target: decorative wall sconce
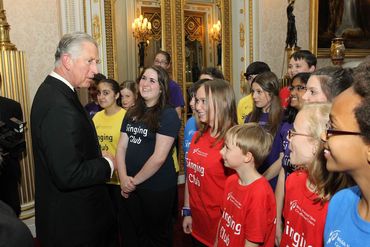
x=216, y=32
x=337, y=51
x=216, y=37
x=142, y=31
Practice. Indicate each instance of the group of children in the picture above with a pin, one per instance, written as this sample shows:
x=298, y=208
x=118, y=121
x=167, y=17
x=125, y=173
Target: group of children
x=263, y=182
x=232, y=170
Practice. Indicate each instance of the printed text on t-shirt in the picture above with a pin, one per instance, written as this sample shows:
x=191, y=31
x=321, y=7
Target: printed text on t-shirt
x=136, y=131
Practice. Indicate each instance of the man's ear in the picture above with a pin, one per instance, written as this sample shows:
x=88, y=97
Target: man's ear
x=66, y=61
x=368, y=155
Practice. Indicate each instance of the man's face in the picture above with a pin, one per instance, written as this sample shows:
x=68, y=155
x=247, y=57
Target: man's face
x=84, y=67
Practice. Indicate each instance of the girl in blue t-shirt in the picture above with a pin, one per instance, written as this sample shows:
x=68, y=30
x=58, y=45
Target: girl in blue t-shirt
x=347, y=149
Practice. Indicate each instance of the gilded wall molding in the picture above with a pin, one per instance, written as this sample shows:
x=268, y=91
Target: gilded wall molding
x=109, y=49
x=173, y=41
x=166, y=25
x=227, y=39
x=251, y=31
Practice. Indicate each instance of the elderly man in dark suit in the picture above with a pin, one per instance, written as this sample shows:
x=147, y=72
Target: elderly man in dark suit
x=72, y=204
x=10, y=171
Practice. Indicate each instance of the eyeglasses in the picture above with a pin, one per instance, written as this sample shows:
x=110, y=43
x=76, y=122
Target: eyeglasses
x=329, y=131
x=292, y=133
x=163, y=62
x=299, y=88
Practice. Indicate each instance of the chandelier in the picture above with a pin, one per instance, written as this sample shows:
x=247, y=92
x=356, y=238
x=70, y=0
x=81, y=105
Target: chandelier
x=142, y=29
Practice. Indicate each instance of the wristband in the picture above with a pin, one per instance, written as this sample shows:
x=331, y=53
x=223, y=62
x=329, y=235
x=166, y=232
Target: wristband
x=186, y=211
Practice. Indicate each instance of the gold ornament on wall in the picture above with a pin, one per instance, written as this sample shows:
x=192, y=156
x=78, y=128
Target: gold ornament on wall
x=242, y=34
x=5, y=43
x=96, y=33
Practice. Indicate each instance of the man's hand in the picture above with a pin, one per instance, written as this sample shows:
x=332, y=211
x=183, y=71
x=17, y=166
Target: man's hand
x=110, y=157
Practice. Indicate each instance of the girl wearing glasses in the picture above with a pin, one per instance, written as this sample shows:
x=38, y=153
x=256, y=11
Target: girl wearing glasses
x=297, y=89
x=145, y=163
x=309, y=189
x=267, y=112
x=176, y=99
x=322, y=86
x=325, y=83
x=347, y=149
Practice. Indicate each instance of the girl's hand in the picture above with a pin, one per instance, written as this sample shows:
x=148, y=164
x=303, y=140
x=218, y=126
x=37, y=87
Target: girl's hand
x=187, y=224
x=127, y=184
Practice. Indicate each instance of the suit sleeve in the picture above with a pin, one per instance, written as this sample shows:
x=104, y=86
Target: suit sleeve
x=71, y=149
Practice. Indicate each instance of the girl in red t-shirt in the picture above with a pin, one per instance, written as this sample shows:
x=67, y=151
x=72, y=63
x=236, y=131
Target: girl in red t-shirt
x=206, y=175
x=308, y=190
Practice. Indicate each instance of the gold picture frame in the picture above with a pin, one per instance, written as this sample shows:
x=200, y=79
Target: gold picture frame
x=324, y=52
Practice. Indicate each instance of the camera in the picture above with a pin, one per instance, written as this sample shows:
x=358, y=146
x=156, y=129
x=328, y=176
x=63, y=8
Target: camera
x=12, y=142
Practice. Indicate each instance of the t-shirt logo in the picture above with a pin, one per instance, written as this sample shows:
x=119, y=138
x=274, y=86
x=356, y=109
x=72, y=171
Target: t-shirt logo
x=199, y=152
x=229, y=195
x=332, y=236
x=335, y=239
x=233, y=200
x=293, y=205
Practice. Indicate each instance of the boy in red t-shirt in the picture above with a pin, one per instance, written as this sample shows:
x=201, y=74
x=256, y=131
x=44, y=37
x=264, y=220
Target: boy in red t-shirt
x=248, y=209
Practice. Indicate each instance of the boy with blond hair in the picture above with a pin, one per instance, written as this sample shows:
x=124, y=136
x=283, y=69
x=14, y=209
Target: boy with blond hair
x=248, y=209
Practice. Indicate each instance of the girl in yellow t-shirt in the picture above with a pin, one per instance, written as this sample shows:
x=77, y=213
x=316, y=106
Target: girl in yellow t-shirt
x=108, y=128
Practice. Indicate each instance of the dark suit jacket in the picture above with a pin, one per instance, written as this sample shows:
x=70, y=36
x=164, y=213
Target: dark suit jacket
x=13, y=232
x=72, y=204
x=10, y=173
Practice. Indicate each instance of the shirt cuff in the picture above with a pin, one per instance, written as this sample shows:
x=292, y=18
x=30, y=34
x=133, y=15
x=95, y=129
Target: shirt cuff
x=111, y=166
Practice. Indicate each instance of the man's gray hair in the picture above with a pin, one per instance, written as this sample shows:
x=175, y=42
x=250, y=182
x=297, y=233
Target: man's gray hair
x=71, y=43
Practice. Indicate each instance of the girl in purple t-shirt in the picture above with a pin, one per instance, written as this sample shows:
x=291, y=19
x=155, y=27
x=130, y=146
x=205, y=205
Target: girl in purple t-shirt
x=267, y=111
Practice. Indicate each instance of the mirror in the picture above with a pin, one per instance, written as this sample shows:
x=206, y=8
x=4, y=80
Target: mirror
x=194, y=43
x=200, y=48
x=154, y=45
